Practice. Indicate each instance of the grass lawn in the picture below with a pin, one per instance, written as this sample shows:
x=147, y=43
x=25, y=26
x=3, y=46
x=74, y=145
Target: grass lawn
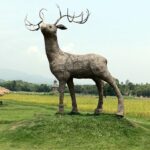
x=28, y=122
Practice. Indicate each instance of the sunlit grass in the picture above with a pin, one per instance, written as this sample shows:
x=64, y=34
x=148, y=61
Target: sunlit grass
x=133, y=106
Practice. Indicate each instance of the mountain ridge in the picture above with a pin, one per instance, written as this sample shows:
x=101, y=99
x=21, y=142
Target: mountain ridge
x=9, y=74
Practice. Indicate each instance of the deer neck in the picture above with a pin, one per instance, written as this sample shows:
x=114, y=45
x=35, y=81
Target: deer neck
x=52, y=47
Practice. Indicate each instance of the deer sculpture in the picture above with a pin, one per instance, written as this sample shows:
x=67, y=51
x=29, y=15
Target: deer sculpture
x=67, y=66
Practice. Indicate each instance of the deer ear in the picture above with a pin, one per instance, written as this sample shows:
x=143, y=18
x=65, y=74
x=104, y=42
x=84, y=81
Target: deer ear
x=62, y=27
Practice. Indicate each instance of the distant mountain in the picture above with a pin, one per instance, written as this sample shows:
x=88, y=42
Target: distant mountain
x=1, y=80
x=8, y=74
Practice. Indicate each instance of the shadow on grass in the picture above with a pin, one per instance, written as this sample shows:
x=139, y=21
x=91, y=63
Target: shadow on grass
x=90, y=115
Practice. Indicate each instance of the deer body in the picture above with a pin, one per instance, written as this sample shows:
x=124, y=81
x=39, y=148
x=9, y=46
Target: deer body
x=67, y=66
x=78, y=66
x=64, y=65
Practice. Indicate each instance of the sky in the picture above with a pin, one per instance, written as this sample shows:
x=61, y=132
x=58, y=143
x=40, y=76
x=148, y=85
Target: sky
x=119, y=30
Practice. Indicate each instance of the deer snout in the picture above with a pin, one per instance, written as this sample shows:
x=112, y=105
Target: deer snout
x=43, y=25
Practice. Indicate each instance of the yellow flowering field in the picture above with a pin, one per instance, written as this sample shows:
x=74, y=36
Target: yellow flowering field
x=133, y=106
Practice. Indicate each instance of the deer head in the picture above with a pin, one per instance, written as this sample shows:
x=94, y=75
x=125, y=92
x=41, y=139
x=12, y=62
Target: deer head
x=51, y=29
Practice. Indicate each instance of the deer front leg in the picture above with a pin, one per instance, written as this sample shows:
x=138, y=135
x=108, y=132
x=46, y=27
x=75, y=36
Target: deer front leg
x=99, y=84
x=72, y=94
x=61, y=97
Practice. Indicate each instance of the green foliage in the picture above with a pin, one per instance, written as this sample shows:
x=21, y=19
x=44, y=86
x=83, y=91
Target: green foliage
x=25, y=86
x=128, y=88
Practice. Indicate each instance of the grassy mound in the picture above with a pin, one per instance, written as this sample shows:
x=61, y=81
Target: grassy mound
x=36, y=127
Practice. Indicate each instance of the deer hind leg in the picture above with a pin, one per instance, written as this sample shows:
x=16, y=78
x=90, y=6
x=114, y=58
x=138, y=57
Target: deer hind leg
x=110, y=80
x=72, y=94
x=61, y=97
x=99, y=84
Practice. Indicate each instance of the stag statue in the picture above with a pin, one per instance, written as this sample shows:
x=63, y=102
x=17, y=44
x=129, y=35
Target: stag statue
x=67, y=66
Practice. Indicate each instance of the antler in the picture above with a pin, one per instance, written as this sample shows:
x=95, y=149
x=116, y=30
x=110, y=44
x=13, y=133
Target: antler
x=72, y=18
x=34, y=27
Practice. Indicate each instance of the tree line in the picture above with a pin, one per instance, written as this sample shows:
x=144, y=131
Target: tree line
x=19, y=85
x=128, y=88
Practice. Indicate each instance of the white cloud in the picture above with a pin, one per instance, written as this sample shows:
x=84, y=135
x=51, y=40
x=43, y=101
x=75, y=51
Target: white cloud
x=34, y=53
x=70, y=48
x=32, y=50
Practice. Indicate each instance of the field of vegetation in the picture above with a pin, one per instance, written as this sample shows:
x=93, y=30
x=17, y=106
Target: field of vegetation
x=28, y=122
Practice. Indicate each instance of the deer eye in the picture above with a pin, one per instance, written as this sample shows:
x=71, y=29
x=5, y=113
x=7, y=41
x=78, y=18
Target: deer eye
x=50, y=26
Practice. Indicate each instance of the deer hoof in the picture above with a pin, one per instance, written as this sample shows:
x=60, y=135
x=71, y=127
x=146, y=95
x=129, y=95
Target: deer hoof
x=60, y=109
x=120, y=114
x=59, y=112
x=98, y=111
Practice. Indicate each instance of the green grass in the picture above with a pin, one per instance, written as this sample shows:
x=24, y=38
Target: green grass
x=28, y=122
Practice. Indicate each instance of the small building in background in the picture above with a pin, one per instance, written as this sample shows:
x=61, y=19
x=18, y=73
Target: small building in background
x=54, y=87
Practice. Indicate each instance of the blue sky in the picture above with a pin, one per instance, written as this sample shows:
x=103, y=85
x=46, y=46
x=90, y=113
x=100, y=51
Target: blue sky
x=118, y=30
